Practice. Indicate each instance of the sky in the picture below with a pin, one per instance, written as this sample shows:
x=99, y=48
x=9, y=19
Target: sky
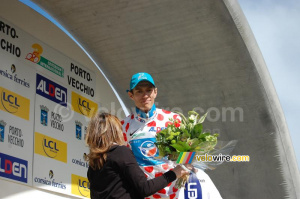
x=275, y=25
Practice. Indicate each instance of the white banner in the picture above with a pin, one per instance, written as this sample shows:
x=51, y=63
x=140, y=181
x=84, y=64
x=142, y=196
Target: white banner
x=47, y=151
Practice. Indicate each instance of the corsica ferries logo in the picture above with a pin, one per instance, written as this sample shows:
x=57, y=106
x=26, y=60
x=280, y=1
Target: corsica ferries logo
x=51, y=90
x=83, y=105
x=50, y=147
x=80, y=186
x=36, y=58
x=15, y=104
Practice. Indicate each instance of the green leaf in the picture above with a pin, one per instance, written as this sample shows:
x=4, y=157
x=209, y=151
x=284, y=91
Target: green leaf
x=194, y=142
x=203, y=135
x=185, y=145
x=193, y=113
x=178, y=147
x=197, y=130
x=201, y=120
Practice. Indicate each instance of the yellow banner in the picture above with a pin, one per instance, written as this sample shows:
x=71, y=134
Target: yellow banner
x=50, y=147
x=83, y=105
x=80, y=186
x=15, y=104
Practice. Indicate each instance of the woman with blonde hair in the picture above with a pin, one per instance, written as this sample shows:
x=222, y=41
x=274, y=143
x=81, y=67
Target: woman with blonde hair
x=113, y=170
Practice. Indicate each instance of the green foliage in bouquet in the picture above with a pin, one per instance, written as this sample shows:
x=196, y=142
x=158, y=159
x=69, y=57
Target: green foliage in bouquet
x=186, y=136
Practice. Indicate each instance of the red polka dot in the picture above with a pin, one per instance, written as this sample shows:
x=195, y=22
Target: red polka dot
x=153, y=123
x=127, y=127
x=158, y=174
x=156, y=196
x=160, y=117
x=167, y=123
x=148, y=169
x=172, y=196
x=165, y=166
x=163, y=191
x=125, y=137
x=165, y=111
x=169, y=184
x=177, y=124
x=174, y=189
x=132, y=116
x=122, y=122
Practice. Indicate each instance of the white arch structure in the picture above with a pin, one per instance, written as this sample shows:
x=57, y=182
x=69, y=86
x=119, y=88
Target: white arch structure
x=201, y=54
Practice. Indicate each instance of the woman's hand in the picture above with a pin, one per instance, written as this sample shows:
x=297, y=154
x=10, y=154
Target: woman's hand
x=179, y=171
x=191, y=167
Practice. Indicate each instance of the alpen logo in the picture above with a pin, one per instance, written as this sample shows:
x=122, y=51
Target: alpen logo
x=44, y=115
x=13, y=168
x=36, y=58
x=51, y=90
x=2, y=130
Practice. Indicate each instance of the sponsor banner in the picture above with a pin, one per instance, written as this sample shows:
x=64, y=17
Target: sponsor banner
x=80, y=186
x=8, y=39
x=13, y=168
x=51, y=90
x=2, y=130
x=50, y=147
x=35, y=82
x=37, y=58
x=50, y=182
x=83, y=105
x=19, y=45
x=14, y=104
x=81, y=79
x=12, y=75
x=15, y=136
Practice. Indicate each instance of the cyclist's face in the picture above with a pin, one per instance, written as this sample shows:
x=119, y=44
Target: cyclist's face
x=143, y=95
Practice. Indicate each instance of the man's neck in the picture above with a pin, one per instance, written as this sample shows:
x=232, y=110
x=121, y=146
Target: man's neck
x=146, y=114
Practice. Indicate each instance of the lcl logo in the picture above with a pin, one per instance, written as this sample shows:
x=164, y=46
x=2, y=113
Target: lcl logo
x=83, y=187
x=11, y=100
x=50, y=148
x=85, y=104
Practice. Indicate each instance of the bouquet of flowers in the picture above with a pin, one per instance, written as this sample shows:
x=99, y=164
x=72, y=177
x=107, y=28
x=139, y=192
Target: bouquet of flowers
x=188, y=136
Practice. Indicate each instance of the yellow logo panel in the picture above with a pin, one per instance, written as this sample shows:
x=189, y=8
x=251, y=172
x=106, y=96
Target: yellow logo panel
x=83, y=105
x=80, y=186
x=15, y=104
x=50, y=147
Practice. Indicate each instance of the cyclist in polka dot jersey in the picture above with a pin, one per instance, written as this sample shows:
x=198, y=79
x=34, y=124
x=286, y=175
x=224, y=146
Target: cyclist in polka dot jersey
x=140, y=129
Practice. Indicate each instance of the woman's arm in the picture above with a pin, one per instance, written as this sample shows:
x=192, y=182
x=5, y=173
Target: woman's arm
x=134, y=175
